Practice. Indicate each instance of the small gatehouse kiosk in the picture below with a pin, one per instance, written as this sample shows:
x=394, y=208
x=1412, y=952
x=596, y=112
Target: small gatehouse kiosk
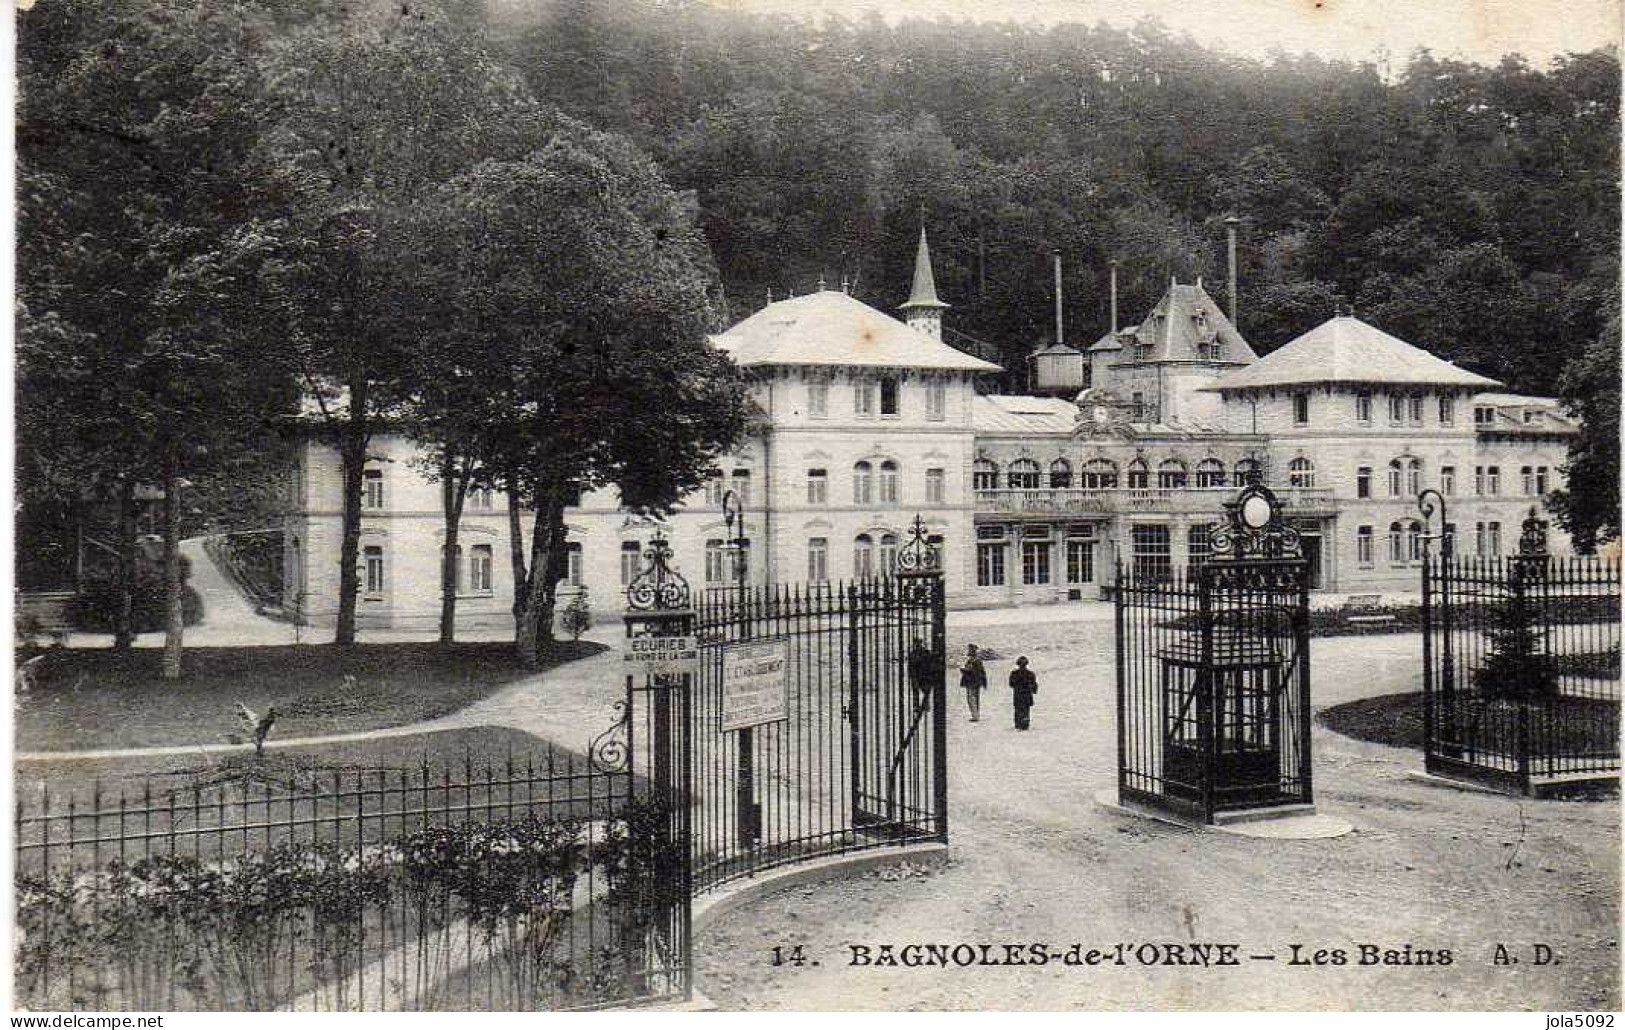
x=1213, y=673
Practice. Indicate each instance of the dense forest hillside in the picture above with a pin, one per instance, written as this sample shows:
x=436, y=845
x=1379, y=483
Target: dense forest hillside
x=1471, y=209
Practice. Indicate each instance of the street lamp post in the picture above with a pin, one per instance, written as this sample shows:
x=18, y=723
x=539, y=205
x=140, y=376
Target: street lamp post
x=1431, y=502
x=749, y=813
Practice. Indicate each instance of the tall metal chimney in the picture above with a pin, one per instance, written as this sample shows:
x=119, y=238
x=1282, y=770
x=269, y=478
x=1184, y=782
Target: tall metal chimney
x=1060, y=323
x=1114, y=296
x=1230, y=232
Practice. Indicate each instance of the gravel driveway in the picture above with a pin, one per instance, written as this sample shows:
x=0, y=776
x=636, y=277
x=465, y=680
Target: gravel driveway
x=1034, y=859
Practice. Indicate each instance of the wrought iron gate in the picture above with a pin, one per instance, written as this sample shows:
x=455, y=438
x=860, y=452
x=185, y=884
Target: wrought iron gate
x=1213, y=672
x=1521, y=666
x=819, y=723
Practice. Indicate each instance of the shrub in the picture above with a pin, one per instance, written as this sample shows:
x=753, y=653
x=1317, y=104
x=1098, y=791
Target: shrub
x=576, y=618
x=95, y=609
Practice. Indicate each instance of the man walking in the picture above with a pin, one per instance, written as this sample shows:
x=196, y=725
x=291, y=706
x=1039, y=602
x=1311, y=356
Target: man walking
x=1023, y=687
x=973, y=677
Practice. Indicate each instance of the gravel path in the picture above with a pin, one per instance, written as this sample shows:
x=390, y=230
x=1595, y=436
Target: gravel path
x=1034, y=859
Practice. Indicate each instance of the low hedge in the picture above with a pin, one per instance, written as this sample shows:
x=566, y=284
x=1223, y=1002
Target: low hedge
x=95, y=609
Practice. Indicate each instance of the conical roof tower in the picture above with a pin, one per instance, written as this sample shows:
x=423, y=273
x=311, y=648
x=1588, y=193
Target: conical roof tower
x=923, y=310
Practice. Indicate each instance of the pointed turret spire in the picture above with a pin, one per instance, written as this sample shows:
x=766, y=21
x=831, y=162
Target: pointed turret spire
x=923, y=310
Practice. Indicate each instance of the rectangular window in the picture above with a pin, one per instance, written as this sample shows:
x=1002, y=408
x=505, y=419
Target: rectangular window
x=1035, y=562
x=936, y=400
x=480, y=498
x=572, y=565
x=818, y=560
x=990, y=564
x=817, y=486
x=934, y=490
x=1478, y=480
x=1362, y=546
x=1492, y=480
x=1447, y=480
x=1527, y=473
x=1198, y=545
x=479, y=569
x=1300, y=409
x=1492, y=536
x=1150, y=550
x=818, y=400
x=1396, y=407
x=631, y=561
x=1483, y=415
x=1396, y=544
x=888, y=395
x=863, y=400
x=1362, y=406
x=1447, y=546
x=1362, y=481
x=374, y=563
x=1540, y=480
x=715, y=487
x=1417, y=403
x=716, y=562
x=1080, y=554
x=1447, y=411
x=741, y=478
x=372, y=489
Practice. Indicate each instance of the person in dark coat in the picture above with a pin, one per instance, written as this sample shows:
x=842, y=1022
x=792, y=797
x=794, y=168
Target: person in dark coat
x=923, y=668
x=1023, y=687
x=973, y=677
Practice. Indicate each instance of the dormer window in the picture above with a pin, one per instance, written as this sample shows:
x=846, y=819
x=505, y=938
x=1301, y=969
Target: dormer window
x=1483, y=415
x=1142, y=352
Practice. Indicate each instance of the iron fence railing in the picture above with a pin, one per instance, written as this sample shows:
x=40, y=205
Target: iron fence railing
x=529, y=883
x=1523, y=668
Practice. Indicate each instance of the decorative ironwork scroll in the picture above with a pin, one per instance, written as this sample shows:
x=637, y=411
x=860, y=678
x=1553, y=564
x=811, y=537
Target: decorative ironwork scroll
x=1253, y=528
x=919, y=554
x=1532, y=541
x=658, y=587
x=1428, y=502
x=610, y=751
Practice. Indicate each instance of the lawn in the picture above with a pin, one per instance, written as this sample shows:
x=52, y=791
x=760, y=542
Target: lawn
x=96, y=699
x=1574, y=725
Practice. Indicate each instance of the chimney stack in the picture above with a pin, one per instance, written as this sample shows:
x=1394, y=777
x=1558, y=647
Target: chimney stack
x=1060, y=321
x=1230, y=232
x=1114, y=296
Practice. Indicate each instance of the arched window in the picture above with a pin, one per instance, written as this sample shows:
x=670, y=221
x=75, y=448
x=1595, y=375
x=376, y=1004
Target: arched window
x=1300, y=472
x=1414, y=535
x=1210, y=472
x=741, y=478
x=1247, y=469
x=1413, y=477
x=1396, y=543
x=1099, y=474
x=1171, y=474
x=888, y=482
x=863, y=483
x=1396, y=478
x=1023, y=474
x=863, y=556
x=984, y=475
x=1060, y=474
x=888, y=554
x=1139, y=476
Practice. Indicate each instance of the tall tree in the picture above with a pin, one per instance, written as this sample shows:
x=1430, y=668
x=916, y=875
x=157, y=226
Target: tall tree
x=587, y=279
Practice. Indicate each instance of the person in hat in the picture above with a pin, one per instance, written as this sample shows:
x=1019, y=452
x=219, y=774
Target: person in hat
x=1023, y=688
x=973, y=677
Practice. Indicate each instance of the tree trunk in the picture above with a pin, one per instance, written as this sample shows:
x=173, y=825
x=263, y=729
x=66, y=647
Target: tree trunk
x=516, y=551
x=353, y=465
x=174, y=585
x=453, y=491
x=535, y=628
x=124, y=618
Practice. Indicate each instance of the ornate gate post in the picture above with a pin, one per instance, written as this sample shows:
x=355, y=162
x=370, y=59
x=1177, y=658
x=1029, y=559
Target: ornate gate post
x=662, y=657
x=919, y=570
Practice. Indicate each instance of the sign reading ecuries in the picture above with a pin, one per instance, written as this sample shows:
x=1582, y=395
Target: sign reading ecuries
x=663, y=656
x=755, y=680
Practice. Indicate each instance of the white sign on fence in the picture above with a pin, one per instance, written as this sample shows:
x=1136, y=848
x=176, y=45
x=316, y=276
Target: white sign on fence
x=755, y=684
x=663, y=656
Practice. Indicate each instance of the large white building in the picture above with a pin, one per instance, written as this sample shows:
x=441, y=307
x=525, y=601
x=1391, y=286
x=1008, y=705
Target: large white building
x=872, y=419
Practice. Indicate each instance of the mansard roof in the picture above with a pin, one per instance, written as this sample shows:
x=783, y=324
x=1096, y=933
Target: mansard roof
x=832, y=328
x=1184, y=318
x=1347, y=350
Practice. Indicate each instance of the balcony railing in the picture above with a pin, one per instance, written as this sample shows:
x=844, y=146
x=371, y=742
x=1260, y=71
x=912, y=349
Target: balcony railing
x=1112, y=500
